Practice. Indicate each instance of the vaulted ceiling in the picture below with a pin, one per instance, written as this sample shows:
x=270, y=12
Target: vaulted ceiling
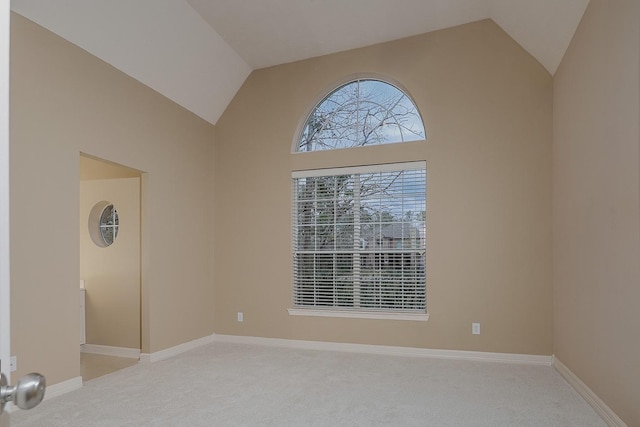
x=199, y=52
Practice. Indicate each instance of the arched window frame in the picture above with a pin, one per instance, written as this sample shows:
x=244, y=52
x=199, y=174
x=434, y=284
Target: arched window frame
x=330, y=90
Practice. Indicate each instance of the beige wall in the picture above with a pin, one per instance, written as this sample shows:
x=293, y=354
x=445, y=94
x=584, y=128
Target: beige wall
x=112, y=274
x=64, y=101
x=596, y=170
x=487, y=107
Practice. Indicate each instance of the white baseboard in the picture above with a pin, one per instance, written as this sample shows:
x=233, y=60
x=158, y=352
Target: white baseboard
x=55, y=390
x=63, y=387
x=587, y=394
x=107, y=350
x=174, y=351
x=525, y=359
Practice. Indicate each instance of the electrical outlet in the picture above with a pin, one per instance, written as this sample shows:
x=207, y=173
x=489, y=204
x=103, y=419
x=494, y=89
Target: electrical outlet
x=240, y=316
x=13, y=364
x=475, y=328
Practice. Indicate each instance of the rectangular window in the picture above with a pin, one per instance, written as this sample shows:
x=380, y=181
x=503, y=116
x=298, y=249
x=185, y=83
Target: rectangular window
x=359, y=238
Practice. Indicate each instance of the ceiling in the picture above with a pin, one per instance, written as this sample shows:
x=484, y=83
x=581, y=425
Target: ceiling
x=199, y=52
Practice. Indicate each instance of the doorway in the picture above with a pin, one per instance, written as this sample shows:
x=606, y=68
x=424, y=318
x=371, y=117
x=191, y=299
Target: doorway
x=110, y=266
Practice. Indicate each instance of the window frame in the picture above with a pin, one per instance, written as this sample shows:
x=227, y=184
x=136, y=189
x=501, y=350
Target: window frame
x=354, y=312
x=328, y=90
x=316, y=160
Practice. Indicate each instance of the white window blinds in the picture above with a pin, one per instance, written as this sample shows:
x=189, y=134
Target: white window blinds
x=359, y=238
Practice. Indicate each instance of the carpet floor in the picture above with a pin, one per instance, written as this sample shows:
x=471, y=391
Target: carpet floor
x=224, y=384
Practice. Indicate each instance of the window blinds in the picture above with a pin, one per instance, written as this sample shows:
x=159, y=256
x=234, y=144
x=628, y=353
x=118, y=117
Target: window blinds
x=359, y=238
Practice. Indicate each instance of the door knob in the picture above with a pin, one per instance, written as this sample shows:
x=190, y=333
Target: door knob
x=26, y=394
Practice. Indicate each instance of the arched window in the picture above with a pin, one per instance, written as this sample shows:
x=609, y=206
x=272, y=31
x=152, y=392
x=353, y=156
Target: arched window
x=361, y=113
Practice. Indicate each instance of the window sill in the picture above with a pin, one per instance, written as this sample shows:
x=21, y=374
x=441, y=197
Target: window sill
x=416, y=317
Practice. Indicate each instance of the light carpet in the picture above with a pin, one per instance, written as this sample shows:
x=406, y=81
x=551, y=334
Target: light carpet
x=224, y=384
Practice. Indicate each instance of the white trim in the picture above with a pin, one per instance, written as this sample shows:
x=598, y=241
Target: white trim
x=348, y=170
x=5, y=276
x=587, y=394
x=525, y=359
x=63, y=387
x=107, y=350
x=176, y=350
x=55, y=390
x=355, y=314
